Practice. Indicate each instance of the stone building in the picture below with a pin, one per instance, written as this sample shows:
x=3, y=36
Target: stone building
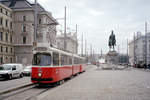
x=71, y=42
x=6, y=33
x=137, y=49
x=23, y=19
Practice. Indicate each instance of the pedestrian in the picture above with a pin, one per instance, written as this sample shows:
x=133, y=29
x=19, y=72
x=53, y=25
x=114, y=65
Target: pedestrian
x=144, y=66
x=148, y=66
x=98, y=64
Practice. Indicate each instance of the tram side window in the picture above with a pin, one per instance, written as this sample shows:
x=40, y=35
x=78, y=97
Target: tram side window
x=75, y=61
x=70, y=60
x=79, y=61
x=55, y=59
x=82, y=61
x=63, y=60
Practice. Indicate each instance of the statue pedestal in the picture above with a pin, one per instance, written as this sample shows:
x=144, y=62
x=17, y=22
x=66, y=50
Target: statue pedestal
x=112, y=57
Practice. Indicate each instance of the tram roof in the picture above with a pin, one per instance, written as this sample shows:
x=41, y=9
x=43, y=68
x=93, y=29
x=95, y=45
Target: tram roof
x=60, y=51
x=51, y=49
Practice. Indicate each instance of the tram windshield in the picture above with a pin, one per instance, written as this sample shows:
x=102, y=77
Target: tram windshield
x=42, y=59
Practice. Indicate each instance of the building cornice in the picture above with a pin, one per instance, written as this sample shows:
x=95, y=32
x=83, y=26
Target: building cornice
x=48, y=14
x=23, y=45
x=22, y=9
x=2, y=5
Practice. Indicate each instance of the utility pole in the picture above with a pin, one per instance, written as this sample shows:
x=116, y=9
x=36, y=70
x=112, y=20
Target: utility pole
x=76, y=39
x=35, y=24
x=146, y=44
x=85, y=48
x=118, y=49
x=101, y=53
x=134, y=54
x=91, y=53
x=82, y=45
x=127, y=54
x=65, y=35
x=94, y=56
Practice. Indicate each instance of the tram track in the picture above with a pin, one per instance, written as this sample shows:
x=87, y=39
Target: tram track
x=15, y=88
x=24, y=93
x=15, y=91
x=29, y=92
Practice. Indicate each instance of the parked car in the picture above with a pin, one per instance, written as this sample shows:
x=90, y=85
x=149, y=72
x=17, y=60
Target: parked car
x=88, y=63
x=9, y=71
x=27, y=70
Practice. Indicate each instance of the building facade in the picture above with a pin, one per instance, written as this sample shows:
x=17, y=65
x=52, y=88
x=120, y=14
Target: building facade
x=23, y=20
x=139, y=53
x=6, y=33
x=71, y=42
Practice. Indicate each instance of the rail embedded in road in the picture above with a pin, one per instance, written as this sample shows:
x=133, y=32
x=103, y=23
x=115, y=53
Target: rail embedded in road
x=16, y=88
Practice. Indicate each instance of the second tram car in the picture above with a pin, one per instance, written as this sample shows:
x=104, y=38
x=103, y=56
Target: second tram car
x=51, y=65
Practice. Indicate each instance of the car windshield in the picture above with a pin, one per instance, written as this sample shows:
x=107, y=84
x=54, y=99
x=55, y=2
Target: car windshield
x=5, y=67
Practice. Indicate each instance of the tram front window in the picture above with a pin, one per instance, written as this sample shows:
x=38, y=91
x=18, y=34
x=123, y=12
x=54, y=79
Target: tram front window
x=42, y=60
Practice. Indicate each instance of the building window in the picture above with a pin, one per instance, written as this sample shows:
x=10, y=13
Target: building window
x=11, y=50
x=10, y=25
x=1, y=48
x=24, y=18
x=1, y=21
x=1, y=58
x=6, y=13
x=6, y=59
x=11, y=38
x=24, y=39
x=6, y=49
x=6, y=37
x=1, y=10
x=40, y=21
x=11, y=60
x=1, y=36
x=24, y=28
x=6, y=23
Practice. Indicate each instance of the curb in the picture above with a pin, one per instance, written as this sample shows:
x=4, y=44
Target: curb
x=146, y=70
x=16, y=88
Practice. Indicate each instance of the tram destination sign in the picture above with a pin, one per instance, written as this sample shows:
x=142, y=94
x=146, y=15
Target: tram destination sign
x=40, y=49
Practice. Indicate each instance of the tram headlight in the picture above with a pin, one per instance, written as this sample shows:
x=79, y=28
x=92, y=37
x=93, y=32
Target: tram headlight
x=39, y=74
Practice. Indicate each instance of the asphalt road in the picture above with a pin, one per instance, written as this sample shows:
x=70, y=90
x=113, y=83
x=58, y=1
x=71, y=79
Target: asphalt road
x=98, y=84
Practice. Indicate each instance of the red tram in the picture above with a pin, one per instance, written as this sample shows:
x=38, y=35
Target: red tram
x=51, y=65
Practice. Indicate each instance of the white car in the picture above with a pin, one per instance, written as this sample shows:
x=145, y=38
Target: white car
x=9, y=71
x=27, y=70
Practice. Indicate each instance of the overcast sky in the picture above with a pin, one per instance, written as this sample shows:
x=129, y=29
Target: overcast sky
x=96, y=19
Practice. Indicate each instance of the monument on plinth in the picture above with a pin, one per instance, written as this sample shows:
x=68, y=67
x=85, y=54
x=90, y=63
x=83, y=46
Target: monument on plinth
x=112, y=56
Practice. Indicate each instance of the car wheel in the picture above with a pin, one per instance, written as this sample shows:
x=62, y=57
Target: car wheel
x=21, y=75
x=10, y=77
